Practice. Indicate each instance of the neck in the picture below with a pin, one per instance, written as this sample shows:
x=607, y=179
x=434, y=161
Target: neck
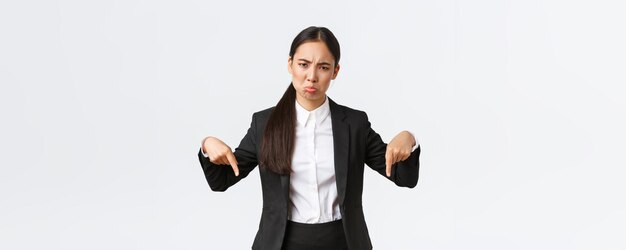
x=310, y=104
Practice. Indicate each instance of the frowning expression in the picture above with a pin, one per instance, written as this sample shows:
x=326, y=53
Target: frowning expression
x=312, y=67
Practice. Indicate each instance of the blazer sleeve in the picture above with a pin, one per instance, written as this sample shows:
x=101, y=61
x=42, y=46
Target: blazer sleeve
x=221, y=177
x=404, y=173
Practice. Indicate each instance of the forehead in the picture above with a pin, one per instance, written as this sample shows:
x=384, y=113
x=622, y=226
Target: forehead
x=313, y=50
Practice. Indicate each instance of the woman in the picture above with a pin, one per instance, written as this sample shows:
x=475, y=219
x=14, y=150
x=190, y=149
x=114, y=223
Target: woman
x=311, y=153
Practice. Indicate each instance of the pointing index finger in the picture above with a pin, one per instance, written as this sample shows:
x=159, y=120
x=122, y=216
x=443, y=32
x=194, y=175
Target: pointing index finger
x=233, y=162
x=388, y=163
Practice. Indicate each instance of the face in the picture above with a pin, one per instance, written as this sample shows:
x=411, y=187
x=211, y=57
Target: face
x=312, y=68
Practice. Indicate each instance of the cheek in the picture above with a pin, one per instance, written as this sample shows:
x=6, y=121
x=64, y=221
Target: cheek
x=326, y=76
x=298, y=74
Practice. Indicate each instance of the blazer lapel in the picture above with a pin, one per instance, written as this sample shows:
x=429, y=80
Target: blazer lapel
x=341, y=145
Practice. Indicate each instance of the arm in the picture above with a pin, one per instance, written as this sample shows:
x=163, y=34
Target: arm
x=221, y=177
x=403, y=173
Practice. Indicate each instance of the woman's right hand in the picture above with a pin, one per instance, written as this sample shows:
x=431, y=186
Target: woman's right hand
x=219, y=153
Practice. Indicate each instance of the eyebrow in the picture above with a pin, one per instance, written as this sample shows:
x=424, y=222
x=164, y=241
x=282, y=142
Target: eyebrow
x=320, y=63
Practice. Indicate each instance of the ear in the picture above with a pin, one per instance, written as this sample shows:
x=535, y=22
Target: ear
x=289, y=62
x=335, y=72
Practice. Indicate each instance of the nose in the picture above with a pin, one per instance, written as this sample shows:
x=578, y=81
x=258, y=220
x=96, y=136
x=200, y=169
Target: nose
x=312, y=76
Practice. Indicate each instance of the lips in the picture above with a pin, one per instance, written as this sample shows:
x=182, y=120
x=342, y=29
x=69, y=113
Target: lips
x=310, y=89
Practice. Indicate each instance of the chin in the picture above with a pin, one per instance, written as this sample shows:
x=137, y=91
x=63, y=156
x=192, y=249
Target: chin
x=315, y=96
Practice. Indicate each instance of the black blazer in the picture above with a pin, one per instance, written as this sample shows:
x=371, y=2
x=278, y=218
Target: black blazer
x=355, y=144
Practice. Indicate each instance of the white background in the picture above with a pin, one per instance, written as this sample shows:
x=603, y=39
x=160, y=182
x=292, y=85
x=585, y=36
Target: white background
x=519, y=106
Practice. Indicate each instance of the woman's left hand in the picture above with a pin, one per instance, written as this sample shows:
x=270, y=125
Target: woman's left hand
x=399, y=149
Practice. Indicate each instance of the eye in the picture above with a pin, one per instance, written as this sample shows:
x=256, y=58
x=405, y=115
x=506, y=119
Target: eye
x=303, y=65
x=325, y=68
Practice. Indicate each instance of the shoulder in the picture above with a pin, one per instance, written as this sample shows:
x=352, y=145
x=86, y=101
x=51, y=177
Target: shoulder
x=261, y=117
x=351, y=114
x=263, y=113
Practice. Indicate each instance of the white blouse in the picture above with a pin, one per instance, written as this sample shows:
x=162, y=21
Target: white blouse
x=313, y=189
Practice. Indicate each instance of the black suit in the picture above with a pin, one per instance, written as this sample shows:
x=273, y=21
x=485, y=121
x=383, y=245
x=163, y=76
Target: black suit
x=355, y=144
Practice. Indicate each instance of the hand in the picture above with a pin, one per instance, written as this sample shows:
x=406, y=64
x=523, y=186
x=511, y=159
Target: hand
x=220, y=153
x=399, y=149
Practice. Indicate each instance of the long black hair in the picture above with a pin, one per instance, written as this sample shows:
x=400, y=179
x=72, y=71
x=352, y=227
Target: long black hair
x=279, y=135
